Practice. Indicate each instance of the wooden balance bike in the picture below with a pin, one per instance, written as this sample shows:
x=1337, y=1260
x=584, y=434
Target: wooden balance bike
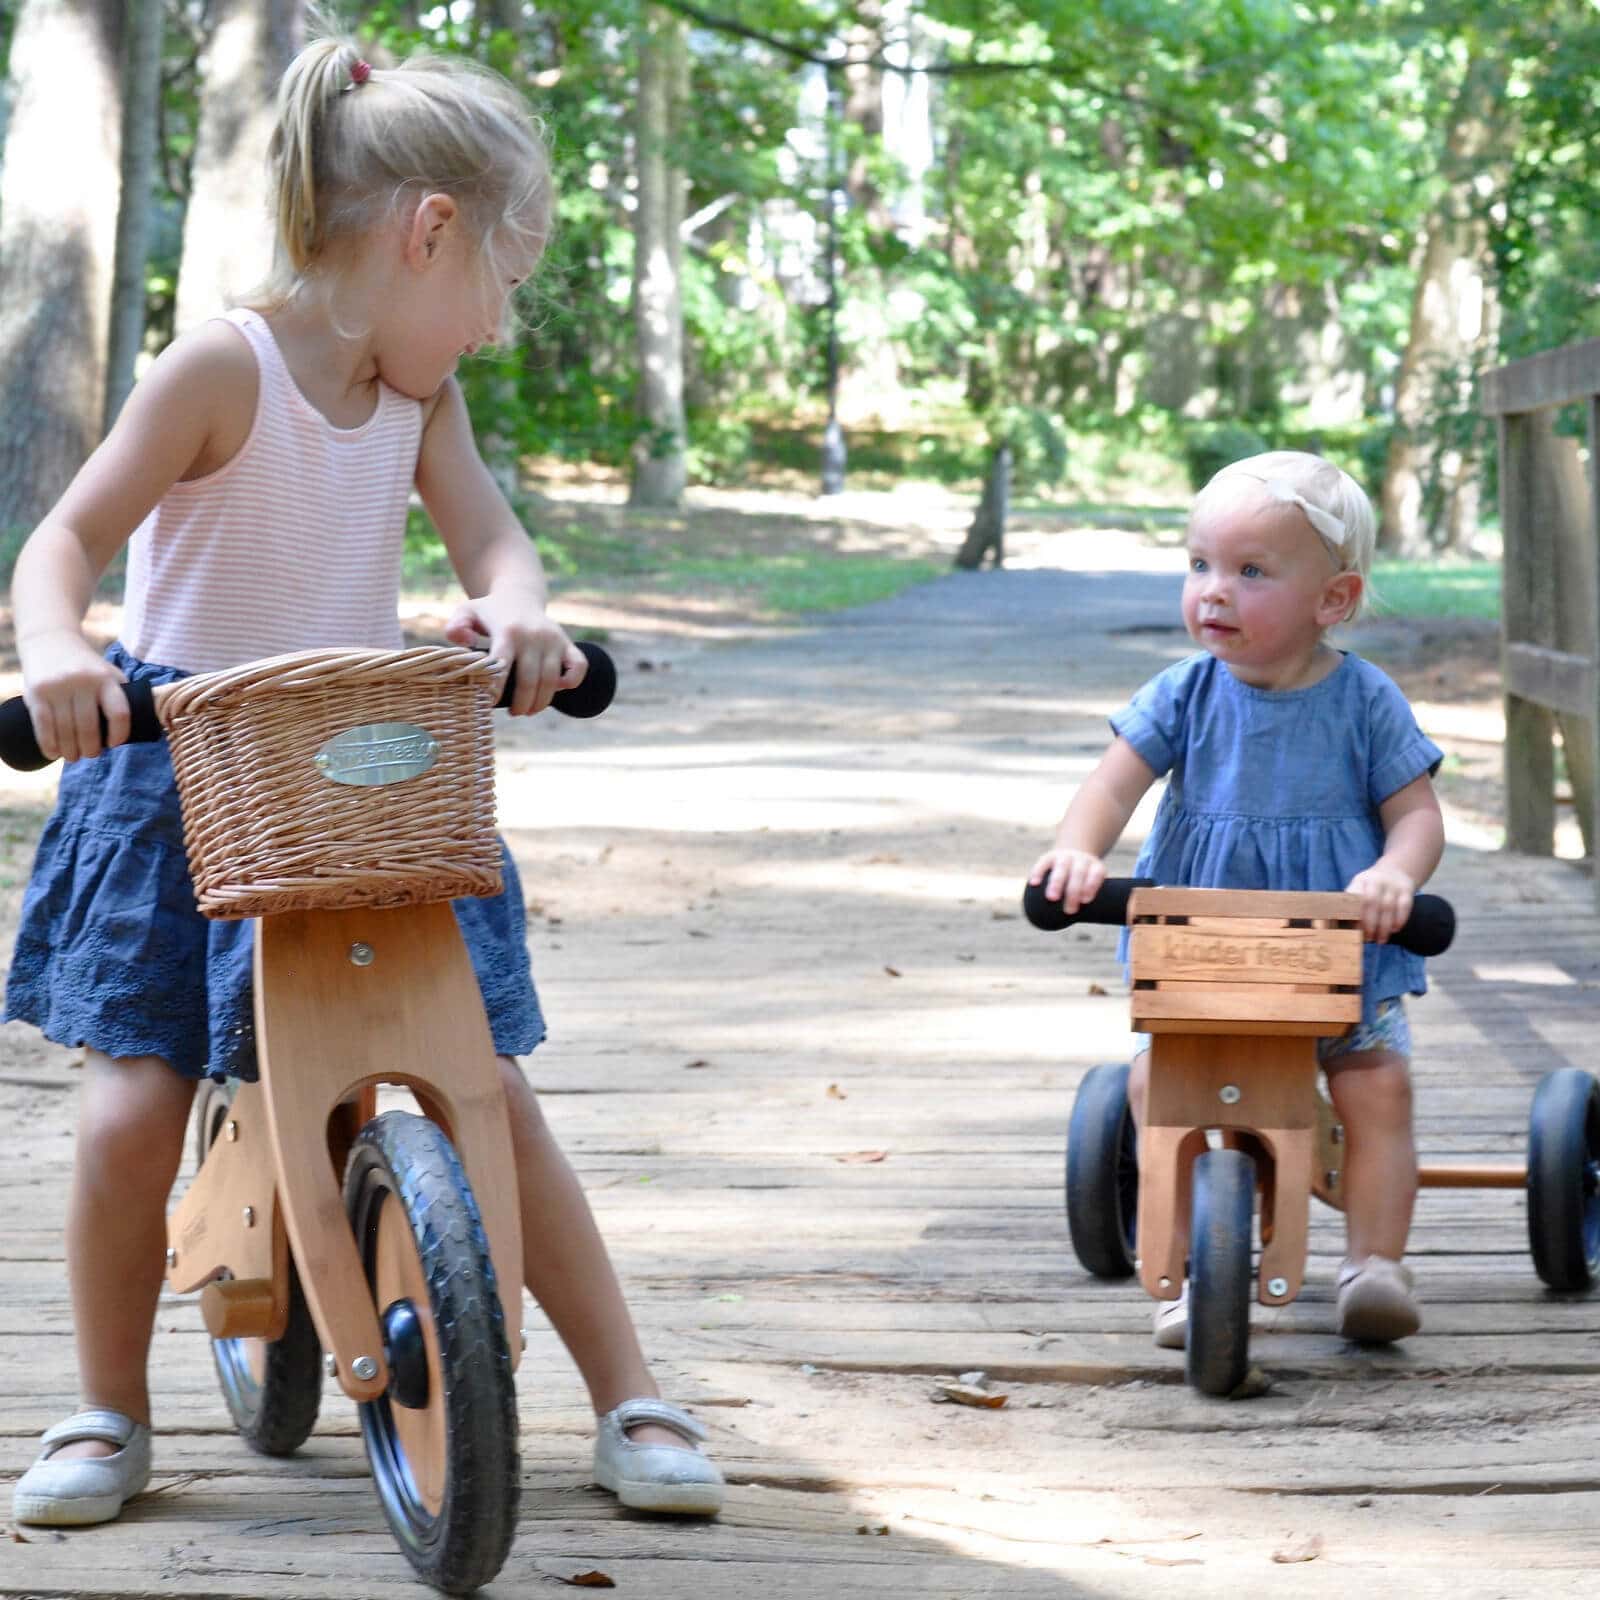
x=1234, y=988
x=344, y=798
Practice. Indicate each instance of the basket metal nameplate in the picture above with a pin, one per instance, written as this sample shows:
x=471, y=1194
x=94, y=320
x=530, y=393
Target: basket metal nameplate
x=377, y=753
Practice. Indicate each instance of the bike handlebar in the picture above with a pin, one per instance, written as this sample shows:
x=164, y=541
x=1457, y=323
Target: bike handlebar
x=1427, y=932
x=20, y=750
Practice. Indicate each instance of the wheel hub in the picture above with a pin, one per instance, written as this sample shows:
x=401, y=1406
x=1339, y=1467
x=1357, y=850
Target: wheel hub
x=407, y=1355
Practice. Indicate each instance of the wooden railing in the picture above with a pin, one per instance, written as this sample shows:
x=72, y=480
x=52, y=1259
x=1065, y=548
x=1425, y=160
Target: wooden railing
x=1550, y=619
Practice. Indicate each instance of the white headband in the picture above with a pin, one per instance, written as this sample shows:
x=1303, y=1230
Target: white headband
x=1331, y=528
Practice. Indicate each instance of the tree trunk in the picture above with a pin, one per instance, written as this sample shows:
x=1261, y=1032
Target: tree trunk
x=228, y=228
x=659, y=466
x=987, y=535
x=1452, y=315
x=141, y=88
x=58, y=214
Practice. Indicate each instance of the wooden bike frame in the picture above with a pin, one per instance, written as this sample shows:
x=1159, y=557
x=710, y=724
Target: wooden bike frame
x=344, y=1001
x=1235, y=987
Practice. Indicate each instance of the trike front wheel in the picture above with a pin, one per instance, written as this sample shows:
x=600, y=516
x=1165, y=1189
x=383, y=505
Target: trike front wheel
x=1222, y=1210
x=442, y=1440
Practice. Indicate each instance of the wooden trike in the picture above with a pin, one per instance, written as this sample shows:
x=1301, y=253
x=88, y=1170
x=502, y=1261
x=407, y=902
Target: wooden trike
x=343, y=798
x=1234, y=988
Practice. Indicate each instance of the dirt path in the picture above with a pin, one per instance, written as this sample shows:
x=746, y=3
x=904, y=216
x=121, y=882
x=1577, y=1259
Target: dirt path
x=815, y=1071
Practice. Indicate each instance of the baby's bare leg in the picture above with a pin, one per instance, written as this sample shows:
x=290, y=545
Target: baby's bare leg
x=131, y=1122
x=1371, y=1091
x=566, y=1267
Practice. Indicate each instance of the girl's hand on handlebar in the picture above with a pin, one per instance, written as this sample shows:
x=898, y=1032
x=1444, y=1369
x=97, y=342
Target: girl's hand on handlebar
x=1071, y=876
x=521, y=635
x=68, y=687
x=1386, y=895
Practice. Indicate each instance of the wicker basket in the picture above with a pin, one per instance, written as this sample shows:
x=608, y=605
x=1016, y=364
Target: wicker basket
x=301, y=787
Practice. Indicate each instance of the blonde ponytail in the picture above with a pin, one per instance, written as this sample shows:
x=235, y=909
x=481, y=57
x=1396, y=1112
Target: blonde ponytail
x=354, y=142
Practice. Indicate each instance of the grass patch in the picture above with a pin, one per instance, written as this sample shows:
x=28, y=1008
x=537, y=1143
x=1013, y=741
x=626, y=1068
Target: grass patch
x=1437, y=589
x=789, y=584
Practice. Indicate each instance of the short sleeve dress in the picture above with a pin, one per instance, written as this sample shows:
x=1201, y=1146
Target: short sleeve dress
x=1278, y=789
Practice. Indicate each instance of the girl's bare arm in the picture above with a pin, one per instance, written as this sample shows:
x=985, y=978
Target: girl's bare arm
x=1074, y=868
x=195, y=393
x=494, y=558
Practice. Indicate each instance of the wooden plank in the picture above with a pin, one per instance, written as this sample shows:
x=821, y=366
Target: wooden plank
x=1241, y=903
x=1258, y=954
x=1551, y=378
x=1555, y=679
x=1268, y=1010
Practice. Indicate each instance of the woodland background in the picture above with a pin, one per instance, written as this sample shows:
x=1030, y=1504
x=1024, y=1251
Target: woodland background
x=1082, y=244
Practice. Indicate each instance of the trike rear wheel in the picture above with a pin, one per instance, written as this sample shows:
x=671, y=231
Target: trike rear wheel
x=273, y=1387
x=1564, y=1179
x=1222, y=1210
x=442, y=1440
x=1102, y=1181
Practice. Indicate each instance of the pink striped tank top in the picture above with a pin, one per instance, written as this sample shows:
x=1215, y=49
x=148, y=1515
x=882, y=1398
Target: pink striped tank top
x=294, y=544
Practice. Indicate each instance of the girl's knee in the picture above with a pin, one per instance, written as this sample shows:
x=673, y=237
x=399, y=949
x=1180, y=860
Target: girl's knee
x=133, y=1117
x=1371, y=1085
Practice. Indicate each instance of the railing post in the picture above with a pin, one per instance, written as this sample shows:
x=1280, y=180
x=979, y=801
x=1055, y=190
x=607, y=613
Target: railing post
x=1527, y=614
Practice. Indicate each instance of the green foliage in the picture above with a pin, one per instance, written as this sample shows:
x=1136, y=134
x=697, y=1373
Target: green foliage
x=1437, y=589
x=1206, y=451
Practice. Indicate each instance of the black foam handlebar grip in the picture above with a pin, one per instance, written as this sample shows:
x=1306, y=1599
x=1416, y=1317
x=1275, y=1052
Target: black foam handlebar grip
x=1428, y=930
x=1430, y=927
x=590, y=698
x=1109, y=907
x=19, y=748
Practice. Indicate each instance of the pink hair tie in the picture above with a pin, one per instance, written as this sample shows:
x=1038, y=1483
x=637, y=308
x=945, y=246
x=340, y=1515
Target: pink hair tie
x=360, y=72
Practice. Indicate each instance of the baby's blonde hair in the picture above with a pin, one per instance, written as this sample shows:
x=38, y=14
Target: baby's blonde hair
x=1333, y=502
x=353, y=143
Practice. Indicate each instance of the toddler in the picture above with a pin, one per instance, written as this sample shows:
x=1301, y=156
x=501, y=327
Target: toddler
x=1290, y=765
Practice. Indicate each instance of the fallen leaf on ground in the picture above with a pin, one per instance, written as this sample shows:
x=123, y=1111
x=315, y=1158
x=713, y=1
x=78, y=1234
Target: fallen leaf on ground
x=836, y=1093
x=698, y=1062
x=894, y=972
x=859, y=1156
x=969, y=1394
x=1097, y=988
x=1306, y=1550
x=589, y=1580
x=882, y=1527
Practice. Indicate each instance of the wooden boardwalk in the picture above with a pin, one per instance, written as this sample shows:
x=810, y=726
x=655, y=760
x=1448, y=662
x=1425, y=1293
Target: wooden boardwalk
x=815, y=1072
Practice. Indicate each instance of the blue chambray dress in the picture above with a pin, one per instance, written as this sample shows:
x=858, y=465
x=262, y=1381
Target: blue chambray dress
x=1277, y=789
x=112, y=953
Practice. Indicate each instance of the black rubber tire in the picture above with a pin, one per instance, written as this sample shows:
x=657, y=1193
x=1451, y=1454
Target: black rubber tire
x=1102, y=1181
x=1564, y=1179
x=273, y=1389
x=1217, y=1356
x=460, y=1544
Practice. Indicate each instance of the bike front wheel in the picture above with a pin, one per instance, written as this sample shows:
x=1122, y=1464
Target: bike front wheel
x=442, y=1439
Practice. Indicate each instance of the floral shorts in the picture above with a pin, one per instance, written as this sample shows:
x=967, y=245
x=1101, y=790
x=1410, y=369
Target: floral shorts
x=1388, y=1030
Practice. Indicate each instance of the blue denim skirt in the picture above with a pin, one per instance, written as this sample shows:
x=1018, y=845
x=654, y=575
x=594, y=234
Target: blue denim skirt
x=111, y=952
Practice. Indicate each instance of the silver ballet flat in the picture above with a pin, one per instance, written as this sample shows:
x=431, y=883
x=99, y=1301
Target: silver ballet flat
x=656, y=1477
x=83, y=1490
